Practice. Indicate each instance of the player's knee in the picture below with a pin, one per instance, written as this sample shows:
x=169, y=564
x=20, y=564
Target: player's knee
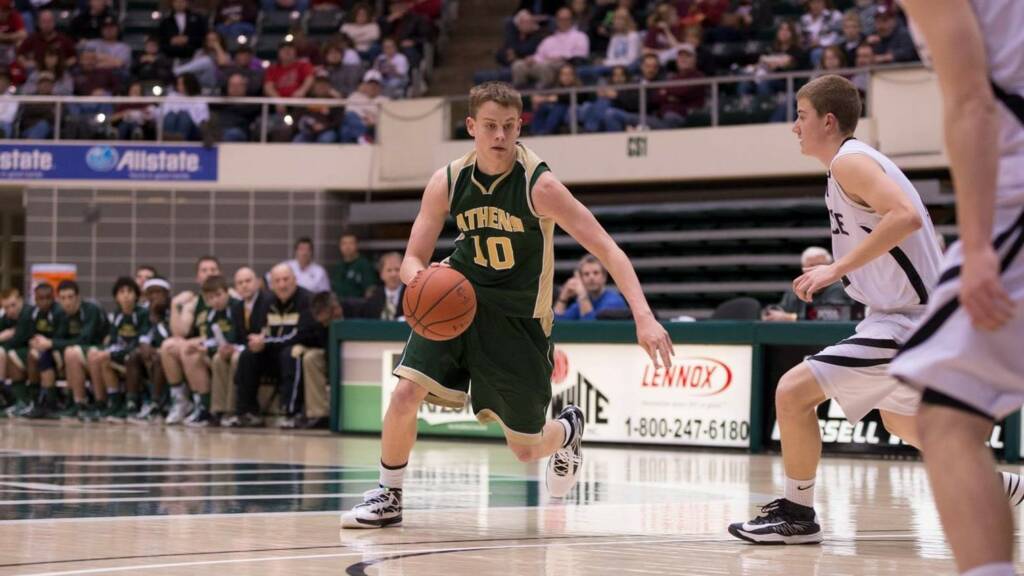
x=524, y=453
x=789, y=397
x=407, y=396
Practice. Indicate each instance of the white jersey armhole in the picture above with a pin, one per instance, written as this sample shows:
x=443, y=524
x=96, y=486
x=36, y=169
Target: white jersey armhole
x=839, y=186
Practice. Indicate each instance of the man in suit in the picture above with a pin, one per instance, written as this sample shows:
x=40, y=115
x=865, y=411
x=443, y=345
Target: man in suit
x=385, y=302
x=250, y=316
x=182, y=32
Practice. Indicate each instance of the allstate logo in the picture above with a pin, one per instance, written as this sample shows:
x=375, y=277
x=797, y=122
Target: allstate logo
x=101, y=158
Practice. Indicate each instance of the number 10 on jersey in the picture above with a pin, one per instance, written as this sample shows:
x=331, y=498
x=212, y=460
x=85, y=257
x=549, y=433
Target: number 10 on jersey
x=499, y=252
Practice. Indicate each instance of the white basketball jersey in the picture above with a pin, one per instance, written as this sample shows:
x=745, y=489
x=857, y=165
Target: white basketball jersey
x=901, y=279
x=1002, y=27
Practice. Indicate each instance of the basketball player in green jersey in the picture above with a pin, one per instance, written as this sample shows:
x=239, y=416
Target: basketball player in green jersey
x=505, y=203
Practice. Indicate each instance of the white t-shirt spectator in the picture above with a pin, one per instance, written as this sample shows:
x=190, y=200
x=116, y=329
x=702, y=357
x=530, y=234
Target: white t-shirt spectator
x=825, y=30
x=313, y=278
x=623, y=49
x=367, y=108
x=8, y=110
x=563, y=46
x=395, y=67
x=119, y=50
x=362, y=35
x=175, y=102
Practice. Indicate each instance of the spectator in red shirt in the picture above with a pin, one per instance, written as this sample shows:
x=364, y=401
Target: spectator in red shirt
x=664, y=33
x=12, y=30
x=672, y=104
x=288, y=77
x=89, y=77
x=46, y=36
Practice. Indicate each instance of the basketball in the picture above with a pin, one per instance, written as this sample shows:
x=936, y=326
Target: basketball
x=439, y=303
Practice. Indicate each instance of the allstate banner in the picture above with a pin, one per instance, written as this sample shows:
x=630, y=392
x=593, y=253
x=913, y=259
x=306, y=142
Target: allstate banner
x=107, y=162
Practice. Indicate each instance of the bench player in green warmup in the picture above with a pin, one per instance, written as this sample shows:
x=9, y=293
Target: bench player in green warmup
x=505, y=203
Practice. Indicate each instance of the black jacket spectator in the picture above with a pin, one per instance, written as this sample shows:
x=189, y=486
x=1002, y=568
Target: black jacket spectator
x=88, y=23
x=240, y=116
x=373, y=307
x=194, y=32
x=519, y=44
x=151, y=65
x=231, y=11
x=257, y=319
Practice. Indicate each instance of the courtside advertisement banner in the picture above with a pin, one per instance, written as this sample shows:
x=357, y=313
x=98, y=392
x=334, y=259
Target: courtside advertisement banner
x=107, y=162
x=703, y=400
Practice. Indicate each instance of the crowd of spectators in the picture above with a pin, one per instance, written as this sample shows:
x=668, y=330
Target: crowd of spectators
x=69, y=47
x=551, y=44
x=204, y=357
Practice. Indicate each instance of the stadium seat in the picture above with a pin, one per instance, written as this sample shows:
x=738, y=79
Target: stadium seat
x=320, y=22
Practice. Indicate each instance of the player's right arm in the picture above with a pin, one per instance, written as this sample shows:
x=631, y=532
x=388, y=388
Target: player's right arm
x=427, y=227
x=972, y=129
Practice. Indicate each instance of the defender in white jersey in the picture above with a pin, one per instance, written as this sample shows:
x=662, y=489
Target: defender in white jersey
x=967, y=357
x=887, y=255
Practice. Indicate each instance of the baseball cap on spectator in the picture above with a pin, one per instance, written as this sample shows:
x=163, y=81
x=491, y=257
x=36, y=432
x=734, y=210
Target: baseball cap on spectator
x=373, y=76
x=884, y=12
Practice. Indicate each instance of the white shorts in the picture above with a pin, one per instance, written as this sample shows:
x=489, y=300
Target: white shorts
x=982, y=369
x=854, y=372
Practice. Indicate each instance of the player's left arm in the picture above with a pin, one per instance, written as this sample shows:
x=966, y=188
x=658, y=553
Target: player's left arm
x=865, y=181
x=553, y=200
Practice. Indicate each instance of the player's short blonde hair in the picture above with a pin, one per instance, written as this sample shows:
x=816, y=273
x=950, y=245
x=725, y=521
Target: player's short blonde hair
x=832, y=94
x=501, y=93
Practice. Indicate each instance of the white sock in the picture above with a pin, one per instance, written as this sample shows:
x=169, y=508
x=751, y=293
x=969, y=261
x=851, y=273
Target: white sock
x=800, y=491
x=392, y=477
x=1013, y=486
x=994, y=569
x=179, y=392
x=568, y=431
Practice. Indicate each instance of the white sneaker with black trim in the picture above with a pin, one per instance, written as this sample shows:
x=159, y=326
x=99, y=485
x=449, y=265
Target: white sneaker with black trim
x=565, y=464
x=180, y=410
x=381, y=507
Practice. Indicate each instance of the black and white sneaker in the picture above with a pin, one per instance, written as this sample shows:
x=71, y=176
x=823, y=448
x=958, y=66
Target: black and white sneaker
x=381, y=507
x=780, y=522
x=565, y=464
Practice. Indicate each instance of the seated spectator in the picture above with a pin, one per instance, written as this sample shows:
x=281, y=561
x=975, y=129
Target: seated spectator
x=705, y=13
x=822, y=27
x=308, y=274
x=315, y=387
x=53, y=62
x=604, y=17
x=306, y=48
x=588, y=291
x=134, y=121
x=37, y=118
x=892, y=41
x=234, y=18
x=664, y=33
x=243, y=63
x=111, y=53
x=615, y=108
x=385, y=299
x=791, y=308
x=288, y=77
x=12, y=31
x=523, y=34
x=83, y=330
x=409, y=29
x=151, y=65
x=852, y=35
x=624, y=43
x=832, y=58
x=88, y=23
x=289, y=322
x=8, y=107
x=234, y=122
x=786, y=55
x=672, y=104
x=207, y=62
x=89, y=77
x=327, y=5
x=730, y=30
x=582, y=15
x=46, y=36
x=551, y=112
x=321, y=124
x=106, y=364
x=866, y=10
x=865, y=58
x=564, y=45
x=363, y=30
x=353, y=277
x=343, y=66
x=182, y=116
x=182, y=31
x=249, y=313
x=145, y=363
x=88, y=120
x=394, y=69
x=217, y=338
x=188, y=313
x=365, y=104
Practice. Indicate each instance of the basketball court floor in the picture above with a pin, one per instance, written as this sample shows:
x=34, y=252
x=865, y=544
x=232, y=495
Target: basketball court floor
x=102, y=499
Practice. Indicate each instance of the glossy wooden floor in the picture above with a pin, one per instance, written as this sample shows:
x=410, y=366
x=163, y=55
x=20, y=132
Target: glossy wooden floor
x=104, y=499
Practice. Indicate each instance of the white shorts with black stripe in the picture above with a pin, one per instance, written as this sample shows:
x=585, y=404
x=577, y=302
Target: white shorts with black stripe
x=982, y=369
x=854, y=372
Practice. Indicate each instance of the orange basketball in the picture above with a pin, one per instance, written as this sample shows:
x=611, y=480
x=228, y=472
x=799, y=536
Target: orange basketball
x=439, y=303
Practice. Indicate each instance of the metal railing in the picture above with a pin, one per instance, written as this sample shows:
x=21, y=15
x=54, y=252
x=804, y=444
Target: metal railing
x=714, y=96
x=268, y=106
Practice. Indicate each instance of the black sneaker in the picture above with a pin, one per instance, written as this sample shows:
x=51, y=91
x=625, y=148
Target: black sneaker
x=780, y=522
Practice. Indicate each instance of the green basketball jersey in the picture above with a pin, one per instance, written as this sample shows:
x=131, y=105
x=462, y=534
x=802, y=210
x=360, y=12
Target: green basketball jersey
x=504, y=248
